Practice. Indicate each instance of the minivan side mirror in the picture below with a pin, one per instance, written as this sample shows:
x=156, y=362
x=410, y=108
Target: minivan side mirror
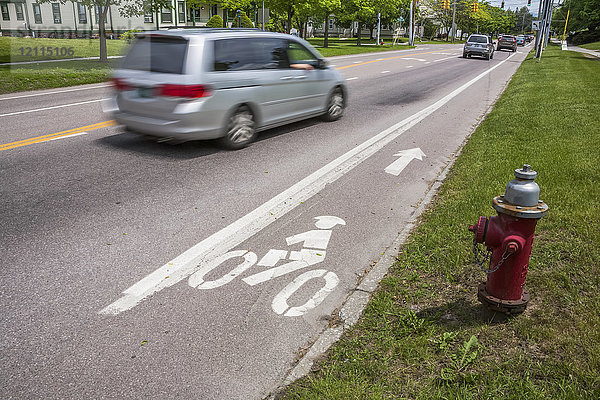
x=321, y=64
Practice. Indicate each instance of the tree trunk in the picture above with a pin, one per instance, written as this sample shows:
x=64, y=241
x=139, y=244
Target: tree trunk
x=225, y=10
x=371, y=32
x=289, y=19
x=102, y=30
x=326, y=39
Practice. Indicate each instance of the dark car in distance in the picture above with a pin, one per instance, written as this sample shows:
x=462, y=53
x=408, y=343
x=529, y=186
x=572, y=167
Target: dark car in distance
x=507, y=42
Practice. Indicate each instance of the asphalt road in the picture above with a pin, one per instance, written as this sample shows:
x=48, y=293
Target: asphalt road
x=89, y=212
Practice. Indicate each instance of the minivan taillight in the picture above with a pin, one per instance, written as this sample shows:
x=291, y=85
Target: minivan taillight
x=120, y=84
x=188, y=91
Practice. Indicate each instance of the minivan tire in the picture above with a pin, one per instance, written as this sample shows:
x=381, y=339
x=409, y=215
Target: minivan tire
x=241, y=129
x=335, y=105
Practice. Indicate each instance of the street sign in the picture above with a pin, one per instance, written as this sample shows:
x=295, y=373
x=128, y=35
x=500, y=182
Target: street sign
x=535, y=25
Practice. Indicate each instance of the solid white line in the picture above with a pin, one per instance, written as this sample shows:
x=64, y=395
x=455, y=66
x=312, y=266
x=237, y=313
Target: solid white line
x=247, y=226
x=68, y=136
x=51, y=108
x=351, y=79
x=57, y=91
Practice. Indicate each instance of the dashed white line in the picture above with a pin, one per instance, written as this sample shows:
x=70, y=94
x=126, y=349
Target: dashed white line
x=442, y=59
x=384, y=72
x=409, y=66
x=68, y=136
x=351, y=79
x=427, y=62
x=410, y=58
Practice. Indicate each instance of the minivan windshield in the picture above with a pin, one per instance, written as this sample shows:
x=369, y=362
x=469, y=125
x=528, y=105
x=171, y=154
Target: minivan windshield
x=157, y=54
x=477, y=39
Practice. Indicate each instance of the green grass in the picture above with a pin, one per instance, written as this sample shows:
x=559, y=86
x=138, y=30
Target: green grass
x=337, y=47
x=10, y=48
x=20, y=78
x=591, y=46
x=424, y=335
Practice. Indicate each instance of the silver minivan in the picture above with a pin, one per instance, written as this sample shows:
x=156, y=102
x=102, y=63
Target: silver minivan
x=225, y=84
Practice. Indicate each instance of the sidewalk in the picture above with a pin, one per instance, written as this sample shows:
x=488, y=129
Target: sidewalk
x=571, y=47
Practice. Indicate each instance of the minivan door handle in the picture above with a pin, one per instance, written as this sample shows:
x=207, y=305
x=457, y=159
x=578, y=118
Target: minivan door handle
x=286, y=78
x=300, y=77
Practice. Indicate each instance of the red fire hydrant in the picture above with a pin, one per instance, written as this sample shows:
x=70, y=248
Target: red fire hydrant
x=509, y=238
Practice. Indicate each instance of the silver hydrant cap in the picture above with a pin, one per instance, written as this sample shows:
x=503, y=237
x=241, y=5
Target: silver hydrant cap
x=525, y=173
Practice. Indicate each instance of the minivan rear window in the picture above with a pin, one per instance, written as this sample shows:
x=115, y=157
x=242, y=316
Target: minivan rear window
x=157, y=54
x=246, y=54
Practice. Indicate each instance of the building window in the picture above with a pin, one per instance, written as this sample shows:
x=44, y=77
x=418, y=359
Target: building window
x=5, y=15
x=166, y=15
x=81, y=11
x=37, y=13
x=181, y=9
x=19, y=10
x=56, y=13
x=331, y=24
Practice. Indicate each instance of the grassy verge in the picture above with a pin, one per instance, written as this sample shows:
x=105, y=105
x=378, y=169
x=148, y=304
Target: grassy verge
x=30, y=49
x=51, y=75
x=591, y=46
x=337, y=47
x=424, y=335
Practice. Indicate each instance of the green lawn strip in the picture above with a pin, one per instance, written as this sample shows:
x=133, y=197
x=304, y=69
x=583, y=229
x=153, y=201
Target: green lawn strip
x=424, y=335
x=337, y=47
x=14, y=49
x=591, y=46
x=52, y=75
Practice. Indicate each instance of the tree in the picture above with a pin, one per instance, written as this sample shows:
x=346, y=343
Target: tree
x=323, y=9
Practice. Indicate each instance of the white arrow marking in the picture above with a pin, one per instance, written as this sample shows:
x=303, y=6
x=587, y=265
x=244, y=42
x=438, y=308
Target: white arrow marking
x=406, y=156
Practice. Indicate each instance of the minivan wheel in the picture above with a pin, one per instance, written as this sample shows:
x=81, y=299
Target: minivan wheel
x=335, y=105
x=241, y=129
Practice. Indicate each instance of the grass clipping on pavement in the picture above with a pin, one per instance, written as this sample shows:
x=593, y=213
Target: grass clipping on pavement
x=424, y=335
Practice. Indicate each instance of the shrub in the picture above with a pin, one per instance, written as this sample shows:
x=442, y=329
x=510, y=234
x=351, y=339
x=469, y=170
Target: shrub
x=246, y=22
x=215, y=22
x=129, y=35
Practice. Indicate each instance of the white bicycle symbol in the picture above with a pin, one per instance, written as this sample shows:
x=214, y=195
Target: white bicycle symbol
x=313, y=252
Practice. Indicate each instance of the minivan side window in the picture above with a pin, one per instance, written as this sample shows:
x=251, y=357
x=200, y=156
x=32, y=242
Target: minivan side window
x=249, y=53
x=298, y=54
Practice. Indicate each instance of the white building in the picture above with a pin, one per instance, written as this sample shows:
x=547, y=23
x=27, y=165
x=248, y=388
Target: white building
x=73, y=19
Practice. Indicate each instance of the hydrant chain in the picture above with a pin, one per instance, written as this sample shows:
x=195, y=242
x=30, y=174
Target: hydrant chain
x=505, y=256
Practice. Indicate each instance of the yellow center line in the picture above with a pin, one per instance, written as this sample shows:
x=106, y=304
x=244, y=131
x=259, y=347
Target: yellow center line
x=389, y=58
x=51, y=136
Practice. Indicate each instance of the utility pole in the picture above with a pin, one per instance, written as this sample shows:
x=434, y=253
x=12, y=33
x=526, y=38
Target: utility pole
x=378, y=26
x=453, y=18
x=411, y=37
x=537, y=33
